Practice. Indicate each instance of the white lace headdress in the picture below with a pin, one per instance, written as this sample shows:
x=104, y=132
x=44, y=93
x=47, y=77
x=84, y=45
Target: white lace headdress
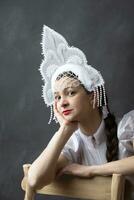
x=59, y=57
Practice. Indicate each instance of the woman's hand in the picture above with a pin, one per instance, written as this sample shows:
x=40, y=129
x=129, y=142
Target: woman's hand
x=70, y=126
x=77, y=170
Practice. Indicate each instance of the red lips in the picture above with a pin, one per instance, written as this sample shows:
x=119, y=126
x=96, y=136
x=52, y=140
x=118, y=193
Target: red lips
x=66, y=112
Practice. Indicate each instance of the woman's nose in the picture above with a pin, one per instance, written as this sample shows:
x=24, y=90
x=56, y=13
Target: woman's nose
x=64, y=102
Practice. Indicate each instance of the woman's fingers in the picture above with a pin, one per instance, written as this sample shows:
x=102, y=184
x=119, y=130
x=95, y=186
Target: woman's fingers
x=55, y=109
x=59, y=117
x=76, y=170
x=55, y=106
x=69, y=169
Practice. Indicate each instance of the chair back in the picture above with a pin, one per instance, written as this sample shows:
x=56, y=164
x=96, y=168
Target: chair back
x=96, y=188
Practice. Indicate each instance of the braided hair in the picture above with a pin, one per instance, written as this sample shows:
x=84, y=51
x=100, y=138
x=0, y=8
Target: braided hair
x=111, y=133
x=111, y=137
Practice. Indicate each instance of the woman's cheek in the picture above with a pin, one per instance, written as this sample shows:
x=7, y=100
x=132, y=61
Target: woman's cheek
x=58, y=108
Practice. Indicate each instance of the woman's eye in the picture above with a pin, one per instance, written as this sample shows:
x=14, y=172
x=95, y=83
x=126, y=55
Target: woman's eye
x=57, y=97
x=71, y=93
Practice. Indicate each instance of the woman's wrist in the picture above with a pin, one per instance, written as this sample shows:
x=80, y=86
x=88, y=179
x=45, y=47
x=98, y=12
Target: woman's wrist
x=103, y=169
x=65, y=130
x=93, y=170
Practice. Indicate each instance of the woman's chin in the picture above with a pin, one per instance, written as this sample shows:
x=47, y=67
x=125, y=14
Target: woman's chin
x=70, y=118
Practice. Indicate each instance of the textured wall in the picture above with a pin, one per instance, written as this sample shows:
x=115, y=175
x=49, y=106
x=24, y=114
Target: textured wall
x=103, y=29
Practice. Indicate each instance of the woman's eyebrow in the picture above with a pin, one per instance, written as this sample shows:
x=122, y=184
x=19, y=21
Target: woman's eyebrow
x=56, y=92
x=71, y=87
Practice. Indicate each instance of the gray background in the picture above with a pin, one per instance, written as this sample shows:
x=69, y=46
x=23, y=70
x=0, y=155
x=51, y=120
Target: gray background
x=103, y=29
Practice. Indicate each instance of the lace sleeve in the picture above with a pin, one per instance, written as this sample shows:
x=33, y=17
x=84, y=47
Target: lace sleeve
x=126, y=131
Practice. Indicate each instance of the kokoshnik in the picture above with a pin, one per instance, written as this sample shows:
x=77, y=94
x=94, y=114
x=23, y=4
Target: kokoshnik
x=59, y=57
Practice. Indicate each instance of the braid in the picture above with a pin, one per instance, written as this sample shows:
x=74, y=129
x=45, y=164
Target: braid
x=111, y=134
x=112, y=139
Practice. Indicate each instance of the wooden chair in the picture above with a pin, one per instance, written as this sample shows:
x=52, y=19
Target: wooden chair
x=97, y=188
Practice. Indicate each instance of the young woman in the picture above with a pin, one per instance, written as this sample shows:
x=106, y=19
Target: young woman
x=88, y=141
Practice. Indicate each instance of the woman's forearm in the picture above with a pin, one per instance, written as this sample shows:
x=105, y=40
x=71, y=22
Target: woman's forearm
x=43, y=169
x=124, y=166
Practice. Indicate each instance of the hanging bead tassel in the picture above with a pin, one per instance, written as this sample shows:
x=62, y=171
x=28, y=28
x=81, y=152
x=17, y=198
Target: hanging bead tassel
x=97, y=91
x=104, y=95
x=100, y=96
x=51, y=114
x=94, y=102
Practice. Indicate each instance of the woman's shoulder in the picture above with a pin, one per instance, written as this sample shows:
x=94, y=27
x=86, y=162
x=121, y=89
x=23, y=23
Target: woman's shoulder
x=125, y=131
x=126, y=126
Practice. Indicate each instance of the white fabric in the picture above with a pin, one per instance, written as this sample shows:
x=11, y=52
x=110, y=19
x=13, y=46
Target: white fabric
x=126, y=134
x=88, y=76
x=93, y=151
x=87, y=150
x=60, y=57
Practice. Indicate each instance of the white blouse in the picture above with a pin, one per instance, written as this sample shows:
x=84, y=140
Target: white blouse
x=91, y=150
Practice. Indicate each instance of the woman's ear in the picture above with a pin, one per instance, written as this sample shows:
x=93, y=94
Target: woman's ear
x=92, y=100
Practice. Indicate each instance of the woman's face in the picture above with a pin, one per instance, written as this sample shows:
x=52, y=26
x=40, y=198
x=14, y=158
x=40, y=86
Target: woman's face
x=70, y=95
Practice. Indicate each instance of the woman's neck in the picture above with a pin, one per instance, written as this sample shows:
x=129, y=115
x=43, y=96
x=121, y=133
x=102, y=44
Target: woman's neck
x=90, y=125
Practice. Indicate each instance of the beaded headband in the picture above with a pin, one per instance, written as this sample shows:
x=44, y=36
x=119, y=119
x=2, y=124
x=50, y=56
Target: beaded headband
x=59, y=57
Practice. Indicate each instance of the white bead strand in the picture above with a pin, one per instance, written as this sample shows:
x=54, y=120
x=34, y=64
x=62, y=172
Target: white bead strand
x=104, y=95
x=100, y=96
x=94, y=101
x=97, y=91
x=51, y=114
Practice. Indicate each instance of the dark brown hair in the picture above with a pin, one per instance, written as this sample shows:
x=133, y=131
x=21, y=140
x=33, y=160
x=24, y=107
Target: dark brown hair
x=111, y=137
